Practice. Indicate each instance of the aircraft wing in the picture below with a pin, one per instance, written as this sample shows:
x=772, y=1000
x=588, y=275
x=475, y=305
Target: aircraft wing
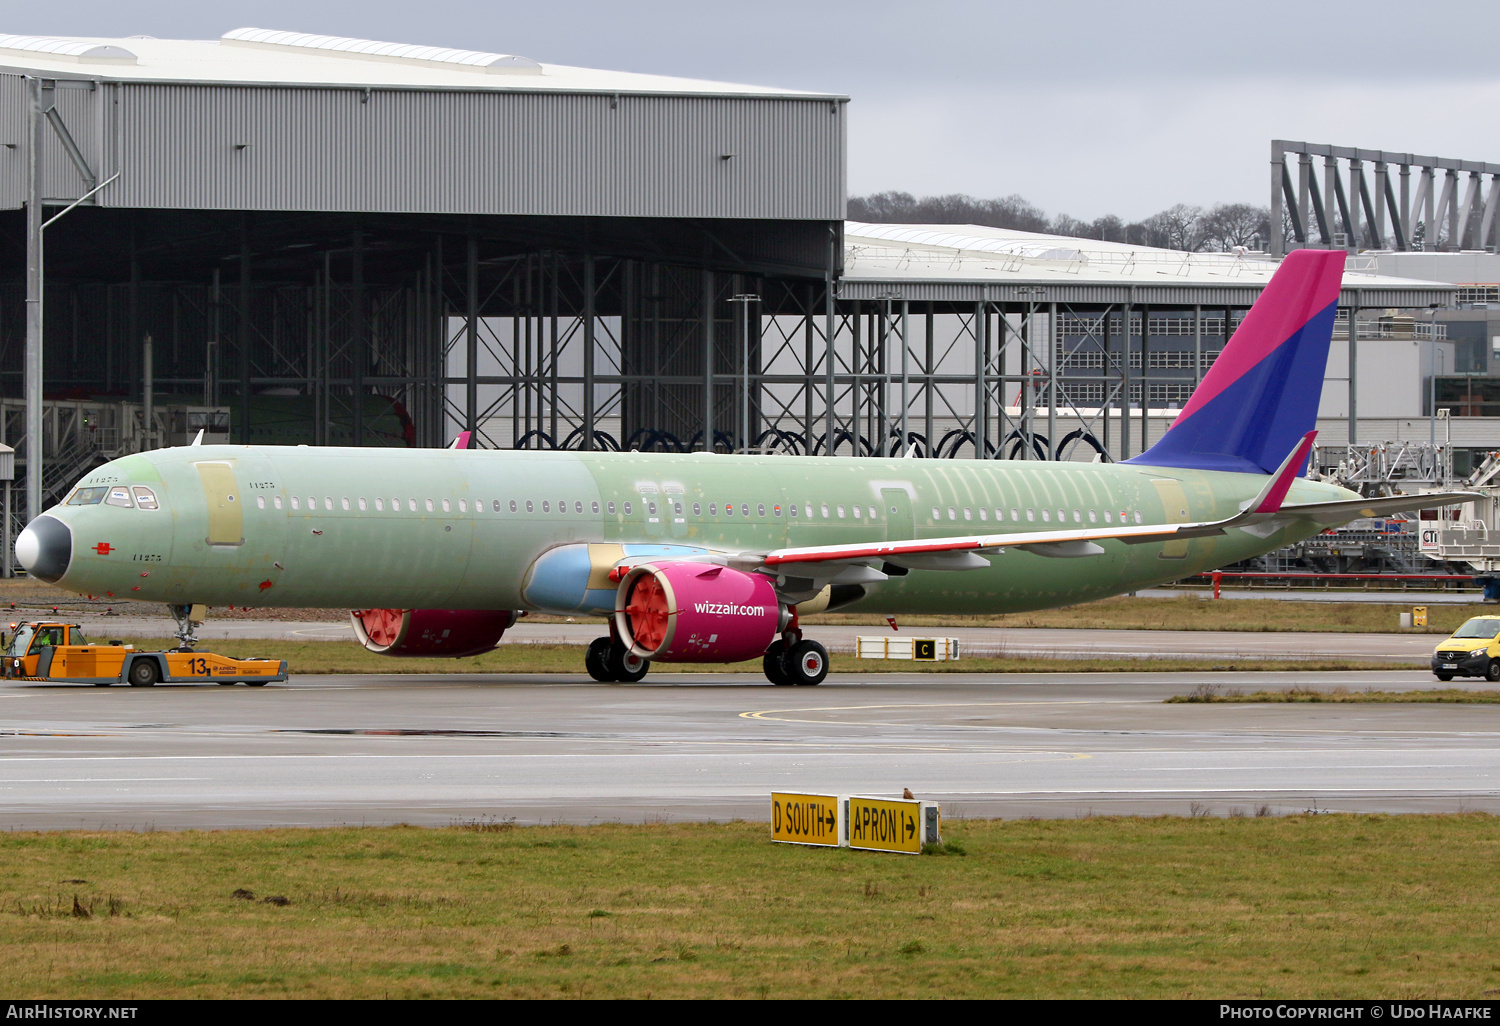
x=1264, y=515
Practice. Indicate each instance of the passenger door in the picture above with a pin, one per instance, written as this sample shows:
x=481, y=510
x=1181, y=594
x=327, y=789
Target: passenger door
x=899, y=523
x=226, y=524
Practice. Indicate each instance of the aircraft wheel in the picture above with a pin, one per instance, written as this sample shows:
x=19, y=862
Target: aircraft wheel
x=806, y=663
x=774, y=663
x=624, y=667
x=143, y=673
x=596, y=660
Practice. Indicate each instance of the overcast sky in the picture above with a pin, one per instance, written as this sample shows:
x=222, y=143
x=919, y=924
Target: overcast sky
x=1082, y=107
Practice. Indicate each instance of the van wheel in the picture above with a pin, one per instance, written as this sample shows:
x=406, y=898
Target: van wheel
x=143, y=673
x=1444, y=677
x=1492, y=671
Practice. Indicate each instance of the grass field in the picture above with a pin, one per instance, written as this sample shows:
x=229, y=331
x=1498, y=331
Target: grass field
x=348, y=657
x=1191, y=613
x=1212, y=693
x=1313, y=906
x=1185, y=612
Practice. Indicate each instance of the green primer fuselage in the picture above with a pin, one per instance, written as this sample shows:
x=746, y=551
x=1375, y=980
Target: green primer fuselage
x=476, y=552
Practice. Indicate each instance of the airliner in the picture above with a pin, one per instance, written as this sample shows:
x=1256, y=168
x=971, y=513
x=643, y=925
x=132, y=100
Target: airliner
x=713, y=558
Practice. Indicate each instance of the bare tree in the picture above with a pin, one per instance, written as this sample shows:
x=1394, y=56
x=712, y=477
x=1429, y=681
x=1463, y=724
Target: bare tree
x=1230, y=225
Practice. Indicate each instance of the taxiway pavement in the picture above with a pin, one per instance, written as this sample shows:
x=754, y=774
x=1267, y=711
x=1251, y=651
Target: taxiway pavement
x=327, y=750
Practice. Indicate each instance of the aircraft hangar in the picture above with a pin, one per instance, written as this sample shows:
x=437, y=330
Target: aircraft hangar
x=289, y=238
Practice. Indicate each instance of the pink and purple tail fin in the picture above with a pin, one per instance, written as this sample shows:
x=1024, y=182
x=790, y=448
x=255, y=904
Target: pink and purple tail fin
x=1261, y=395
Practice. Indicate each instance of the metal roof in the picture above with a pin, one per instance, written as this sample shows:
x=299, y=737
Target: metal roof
x=250, y=56
x=974, y=262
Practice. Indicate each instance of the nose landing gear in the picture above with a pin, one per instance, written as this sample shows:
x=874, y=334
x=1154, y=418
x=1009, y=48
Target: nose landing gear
x=188, y=620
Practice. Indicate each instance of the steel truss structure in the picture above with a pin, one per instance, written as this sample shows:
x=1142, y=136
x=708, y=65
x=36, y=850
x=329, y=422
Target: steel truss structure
x=1452, y=207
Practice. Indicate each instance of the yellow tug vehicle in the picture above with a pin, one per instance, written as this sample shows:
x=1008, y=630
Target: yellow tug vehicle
x=50, y=651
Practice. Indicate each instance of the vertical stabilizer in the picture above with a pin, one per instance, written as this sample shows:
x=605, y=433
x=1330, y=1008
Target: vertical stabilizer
x=1260, y=397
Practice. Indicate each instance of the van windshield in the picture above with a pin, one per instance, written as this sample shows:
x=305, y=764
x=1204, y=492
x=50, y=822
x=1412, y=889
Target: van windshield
x=1479, y=627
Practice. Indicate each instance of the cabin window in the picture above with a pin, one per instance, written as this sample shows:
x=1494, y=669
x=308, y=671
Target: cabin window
x=627, y=509
x=776, y=510
x=529, y=507
x=794, y=509
x=611, y=508
x=697, y=510
x=840, y=511
x=1138, y=516
x=429, y=505
x=729, y=509
x=1093, y=517
x=546, y=506
x=447, y=506
x=1014, y=514
x=145, y=498
x=312, y=503
x=984, y=514
x=676, y=508
x=380, y=504
x=745, y=509
x=825, y=511
x=713, y=509
x=344, y=502
x=411, y=505
x=577, y=506
x=276, y=501
x=1077, y=517
x=968, y=514
x=496, y=505
x=935, y=514
x=1109, y=517
x=463, y=505
x=1030, y=516
x=596, y=508
x=260, y=501
x=858, y=511
x=651, y=508
x=952, y=513
x=328, y=503
x=295, y=503
x=1046, y=516
x=760, y=509
x=119, y=497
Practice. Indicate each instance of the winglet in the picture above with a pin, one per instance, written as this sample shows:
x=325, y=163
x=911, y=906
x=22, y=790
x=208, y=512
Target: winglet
x=1270, y=497
x=460, y=441
x=198, y=439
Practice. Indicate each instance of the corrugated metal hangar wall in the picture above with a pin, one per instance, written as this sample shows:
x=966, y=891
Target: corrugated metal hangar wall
x=336, y=263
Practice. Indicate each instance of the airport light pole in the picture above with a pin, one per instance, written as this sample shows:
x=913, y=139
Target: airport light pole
x=745, y=299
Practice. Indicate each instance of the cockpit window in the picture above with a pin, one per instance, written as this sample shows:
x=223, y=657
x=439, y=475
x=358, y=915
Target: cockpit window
x=119, y=496
x=87, y=496
x=145, y=498
x=20, y=640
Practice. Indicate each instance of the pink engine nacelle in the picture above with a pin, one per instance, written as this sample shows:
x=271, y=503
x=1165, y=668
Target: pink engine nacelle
x=430, y=632
x=696, y=613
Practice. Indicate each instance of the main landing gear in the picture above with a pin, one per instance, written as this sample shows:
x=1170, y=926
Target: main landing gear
x=609, y=661
x=803, y=662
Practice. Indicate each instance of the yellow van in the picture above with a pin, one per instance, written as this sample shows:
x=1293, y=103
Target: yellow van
x=1472, y=651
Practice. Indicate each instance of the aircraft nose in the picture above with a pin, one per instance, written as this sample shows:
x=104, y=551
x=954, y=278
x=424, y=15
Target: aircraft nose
x=45, y=548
